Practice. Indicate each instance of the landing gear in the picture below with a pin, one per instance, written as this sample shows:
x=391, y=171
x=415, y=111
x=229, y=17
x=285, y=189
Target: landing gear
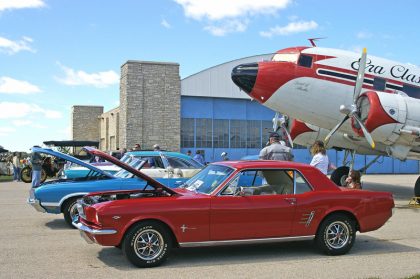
x=339, y=175
x=417, y=188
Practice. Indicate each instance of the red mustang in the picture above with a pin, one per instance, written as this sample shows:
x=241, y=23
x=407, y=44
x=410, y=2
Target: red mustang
x=231, y=202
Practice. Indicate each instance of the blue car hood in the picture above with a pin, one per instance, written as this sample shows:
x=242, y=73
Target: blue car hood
x=70, y=159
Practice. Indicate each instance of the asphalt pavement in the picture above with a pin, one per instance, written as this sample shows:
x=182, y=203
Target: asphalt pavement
x=39, y=245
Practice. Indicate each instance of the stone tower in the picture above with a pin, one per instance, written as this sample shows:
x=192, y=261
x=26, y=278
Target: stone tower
x=85, y=123
x=150, y=105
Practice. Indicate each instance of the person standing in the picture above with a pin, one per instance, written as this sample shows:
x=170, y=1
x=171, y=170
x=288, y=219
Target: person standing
x=224, y=156
x=199, y=158
x=36, y=162
x=320, y=158
x=275, y=150
x=189, y=153
x=16, y=166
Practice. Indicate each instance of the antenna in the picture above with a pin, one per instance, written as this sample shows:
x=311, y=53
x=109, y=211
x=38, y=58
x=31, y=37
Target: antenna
x=312, y=40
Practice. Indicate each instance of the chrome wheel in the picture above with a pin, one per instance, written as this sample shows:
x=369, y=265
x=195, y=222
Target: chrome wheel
x=337, y=235
x=73, y=211
x=149, y=244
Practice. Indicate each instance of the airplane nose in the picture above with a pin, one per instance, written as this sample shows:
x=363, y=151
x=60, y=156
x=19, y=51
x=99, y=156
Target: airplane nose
x=244, y=76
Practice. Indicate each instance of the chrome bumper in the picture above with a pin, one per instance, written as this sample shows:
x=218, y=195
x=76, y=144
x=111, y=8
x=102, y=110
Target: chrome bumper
x=84, y=228
x=36, y=204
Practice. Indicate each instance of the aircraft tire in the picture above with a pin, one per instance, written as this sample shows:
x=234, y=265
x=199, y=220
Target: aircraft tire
x=417, y=188
x=339, y=175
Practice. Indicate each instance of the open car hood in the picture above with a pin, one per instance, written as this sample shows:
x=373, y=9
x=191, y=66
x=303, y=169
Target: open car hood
x=152, y=182
x=70, y=159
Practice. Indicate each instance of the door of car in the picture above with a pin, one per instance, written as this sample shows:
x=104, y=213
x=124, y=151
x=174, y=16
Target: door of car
x=254, y=204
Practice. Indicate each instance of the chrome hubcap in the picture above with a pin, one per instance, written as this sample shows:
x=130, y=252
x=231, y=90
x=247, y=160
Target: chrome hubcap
x=73, y=211
x=148, y=244
x=338, y=235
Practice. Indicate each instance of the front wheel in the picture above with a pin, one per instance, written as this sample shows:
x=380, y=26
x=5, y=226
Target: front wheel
x=339, y=175
x=26, y=174
x=417, y=188
x=336, y=235
x=147, y=244
x=70, y=211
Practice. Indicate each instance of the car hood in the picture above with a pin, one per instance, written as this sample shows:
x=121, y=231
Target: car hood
x=152, y=182
x=70, y=159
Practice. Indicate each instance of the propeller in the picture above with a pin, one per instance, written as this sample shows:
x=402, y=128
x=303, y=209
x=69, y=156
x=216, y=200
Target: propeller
x=279, y=122
x=350, y=111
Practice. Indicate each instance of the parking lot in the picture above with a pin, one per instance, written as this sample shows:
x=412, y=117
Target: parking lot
x=37, y=245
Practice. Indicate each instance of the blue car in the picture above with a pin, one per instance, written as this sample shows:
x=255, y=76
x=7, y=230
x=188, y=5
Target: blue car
x=60, y=196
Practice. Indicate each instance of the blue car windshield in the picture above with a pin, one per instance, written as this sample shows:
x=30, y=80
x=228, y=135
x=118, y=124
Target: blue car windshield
x=132, y=162
x=208, y=179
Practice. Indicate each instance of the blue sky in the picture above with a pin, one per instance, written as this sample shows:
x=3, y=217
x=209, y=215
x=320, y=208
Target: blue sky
x=59, y=53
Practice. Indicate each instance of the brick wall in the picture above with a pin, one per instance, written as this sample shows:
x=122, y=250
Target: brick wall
x=85, y=122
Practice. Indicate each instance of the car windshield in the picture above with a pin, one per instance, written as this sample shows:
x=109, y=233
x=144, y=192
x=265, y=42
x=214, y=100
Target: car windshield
x=132, y=162
x=207, y=180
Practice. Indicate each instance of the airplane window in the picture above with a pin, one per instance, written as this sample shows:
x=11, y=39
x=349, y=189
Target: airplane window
x=379, y=84
x=285, y=57
x=305, y=61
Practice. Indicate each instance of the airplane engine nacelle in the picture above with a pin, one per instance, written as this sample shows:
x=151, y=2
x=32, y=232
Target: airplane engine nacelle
x=383, y=114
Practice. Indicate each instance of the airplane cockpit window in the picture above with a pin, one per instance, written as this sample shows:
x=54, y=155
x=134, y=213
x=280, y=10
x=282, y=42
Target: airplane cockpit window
x=305, y=61
x=379, y=84
x=285, y=57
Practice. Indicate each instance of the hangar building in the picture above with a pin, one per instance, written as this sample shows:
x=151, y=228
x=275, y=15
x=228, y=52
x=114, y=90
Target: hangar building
x=205, y=111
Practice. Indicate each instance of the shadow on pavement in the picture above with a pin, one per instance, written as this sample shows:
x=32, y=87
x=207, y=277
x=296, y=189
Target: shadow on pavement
x=243, y=254
x=58, y=224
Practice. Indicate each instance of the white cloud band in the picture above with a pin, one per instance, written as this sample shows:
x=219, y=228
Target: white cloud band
x=13, y=86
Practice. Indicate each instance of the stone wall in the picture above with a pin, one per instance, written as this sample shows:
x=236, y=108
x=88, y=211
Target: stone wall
x=85, y=122
x=110, y=130
x=150, y=105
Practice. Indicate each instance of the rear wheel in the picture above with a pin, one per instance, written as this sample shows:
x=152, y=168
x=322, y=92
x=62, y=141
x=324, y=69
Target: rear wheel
x=26, y=174
x=70, y=211
x=339, y=175
x=417, y=188
x=147, y=244
x=336, y=235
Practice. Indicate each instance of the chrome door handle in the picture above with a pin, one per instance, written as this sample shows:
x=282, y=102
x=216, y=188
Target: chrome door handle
x=291, y=200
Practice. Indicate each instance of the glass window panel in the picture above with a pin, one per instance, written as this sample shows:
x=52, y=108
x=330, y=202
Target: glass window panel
x=220, y=133
x=267, y=128
x=254, y=134
x=187, y=132
x=238, y=133
x=203, y=134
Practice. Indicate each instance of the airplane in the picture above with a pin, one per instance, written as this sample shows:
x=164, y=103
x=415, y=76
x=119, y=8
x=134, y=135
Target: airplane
x=357, y=103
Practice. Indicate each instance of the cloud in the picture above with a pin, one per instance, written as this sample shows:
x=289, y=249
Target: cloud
x=20, y=123
x=364, y=35
x=20, y=4
x=12, y=47
x=13, y=86
x=10, y=110
x=291, y=28
x=4, y=131
x=165, y=24
x=228, y=26
x=100, y=79
x=220, y=9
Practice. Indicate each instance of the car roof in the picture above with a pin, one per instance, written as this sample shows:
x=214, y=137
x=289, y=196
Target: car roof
x=155, y=153
x=263, y=164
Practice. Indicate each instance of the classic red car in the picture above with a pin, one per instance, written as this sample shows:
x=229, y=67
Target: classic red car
x=232, y=202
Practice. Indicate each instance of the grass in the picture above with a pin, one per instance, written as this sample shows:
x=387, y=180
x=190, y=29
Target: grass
x=5, y=178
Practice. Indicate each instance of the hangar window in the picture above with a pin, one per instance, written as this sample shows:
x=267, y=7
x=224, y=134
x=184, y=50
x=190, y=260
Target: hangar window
x=379, y=84
x=267, y=128
x=221, y=133
x=305, y=61
x=254, y=134
x=285, y=57
x=238, y=133
x=187, y=132
x=203, y=132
